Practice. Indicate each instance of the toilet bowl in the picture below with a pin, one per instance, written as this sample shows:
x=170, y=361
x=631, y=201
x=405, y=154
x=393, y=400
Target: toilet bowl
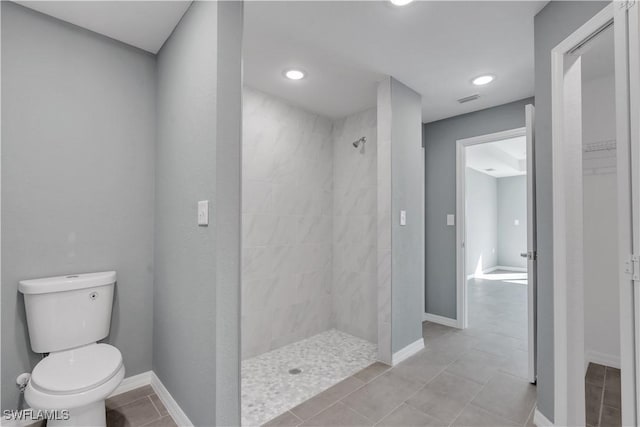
x=77, y=380
x=67, y=316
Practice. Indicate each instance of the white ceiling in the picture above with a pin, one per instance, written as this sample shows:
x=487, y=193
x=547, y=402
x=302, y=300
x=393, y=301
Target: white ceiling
x=435, y=47
x=503, y=158
x=143, y=24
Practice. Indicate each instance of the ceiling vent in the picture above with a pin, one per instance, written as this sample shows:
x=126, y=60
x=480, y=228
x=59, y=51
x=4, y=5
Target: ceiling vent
x=468, y=98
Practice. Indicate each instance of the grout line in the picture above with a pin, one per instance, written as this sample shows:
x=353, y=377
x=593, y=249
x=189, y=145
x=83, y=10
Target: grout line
x=154, y=405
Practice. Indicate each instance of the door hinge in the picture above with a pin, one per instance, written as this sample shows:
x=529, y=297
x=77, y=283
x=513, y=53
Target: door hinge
x=626, y=4
x=632, y=267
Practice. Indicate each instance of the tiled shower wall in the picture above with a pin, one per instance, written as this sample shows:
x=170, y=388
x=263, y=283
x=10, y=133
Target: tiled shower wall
x=309, y=227
x=354, y=226
x=287, y=213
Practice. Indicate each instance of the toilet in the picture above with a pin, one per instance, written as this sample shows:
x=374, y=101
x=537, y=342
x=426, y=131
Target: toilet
x=66, y=317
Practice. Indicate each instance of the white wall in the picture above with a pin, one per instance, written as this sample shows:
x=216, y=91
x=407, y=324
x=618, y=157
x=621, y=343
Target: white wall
x=602, y=330
x=287, y=223
x=354, y=293
x=482, y=221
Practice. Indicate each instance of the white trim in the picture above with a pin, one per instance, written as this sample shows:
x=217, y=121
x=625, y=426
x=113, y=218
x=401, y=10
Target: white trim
x=168, y=401
x=540, y=420
x=150, y=378
x=497, y=267
x=567, y=225
x=441, y=320
x=627, y=63
x=407, y=352
x=514, y=269
x=461, y=277
x=133, y=382
x=610, y=360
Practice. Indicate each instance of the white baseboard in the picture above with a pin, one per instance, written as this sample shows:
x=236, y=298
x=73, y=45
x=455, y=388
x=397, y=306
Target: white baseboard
x=514, y=269
x=150, y=378
x=446, y=321
x=133, y=382
x=610, y=360
x=128, y=384
x=540, y=420
x=167, y=400
x=407, y=352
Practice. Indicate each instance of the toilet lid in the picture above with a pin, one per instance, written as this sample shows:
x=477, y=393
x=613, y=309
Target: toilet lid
x=77, y=370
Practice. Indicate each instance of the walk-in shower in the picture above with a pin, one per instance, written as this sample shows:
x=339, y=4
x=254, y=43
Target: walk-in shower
x=309, y=259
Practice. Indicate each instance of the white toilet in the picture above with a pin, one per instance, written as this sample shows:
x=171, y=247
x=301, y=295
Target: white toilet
x=66, y=317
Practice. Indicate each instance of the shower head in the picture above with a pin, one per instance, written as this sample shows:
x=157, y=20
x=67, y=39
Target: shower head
x=357, y=143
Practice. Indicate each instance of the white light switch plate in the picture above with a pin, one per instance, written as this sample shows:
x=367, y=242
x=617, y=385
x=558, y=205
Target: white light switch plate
x=403, y=217
x=203, y=212
x=451, y=219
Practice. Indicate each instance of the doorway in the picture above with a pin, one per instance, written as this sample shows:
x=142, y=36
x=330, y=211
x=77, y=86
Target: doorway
x=496, y=237
x=595, y=142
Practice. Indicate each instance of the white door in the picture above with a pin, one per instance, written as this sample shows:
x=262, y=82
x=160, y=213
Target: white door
x=531, y=253
x=627, y=45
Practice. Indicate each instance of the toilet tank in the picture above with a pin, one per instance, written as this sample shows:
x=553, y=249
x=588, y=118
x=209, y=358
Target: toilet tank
x=68, y=311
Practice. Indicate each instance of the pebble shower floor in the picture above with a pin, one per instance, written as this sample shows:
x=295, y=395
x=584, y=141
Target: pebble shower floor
x=268, y=389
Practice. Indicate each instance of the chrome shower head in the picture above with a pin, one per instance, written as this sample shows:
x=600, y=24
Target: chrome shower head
x=362, y=140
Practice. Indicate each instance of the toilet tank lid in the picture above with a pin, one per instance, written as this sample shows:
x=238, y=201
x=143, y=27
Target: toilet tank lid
x=66, y=283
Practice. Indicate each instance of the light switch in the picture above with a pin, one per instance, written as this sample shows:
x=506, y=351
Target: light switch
x=203, y=212
x=516, y=222
x=403, y=217
x=451, y=219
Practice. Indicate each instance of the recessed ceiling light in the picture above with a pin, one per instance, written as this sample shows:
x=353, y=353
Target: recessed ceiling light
x=294, y=74
x=400, y=2
x=483, y=80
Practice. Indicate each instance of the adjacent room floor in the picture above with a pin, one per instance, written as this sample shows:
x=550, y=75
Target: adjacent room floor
x=276, y=381
x=471, y=377
x=602, y=396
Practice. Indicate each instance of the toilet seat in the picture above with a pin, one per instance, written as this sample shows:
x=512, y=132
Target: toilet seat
x=77, y=370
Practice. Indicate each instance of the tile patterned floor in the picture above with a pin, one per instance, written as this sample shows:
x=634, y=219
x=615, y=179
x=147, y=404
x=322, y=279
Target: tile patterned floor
x=472, y=377
x=602, y=396
x=137, y=408
x=325, y=359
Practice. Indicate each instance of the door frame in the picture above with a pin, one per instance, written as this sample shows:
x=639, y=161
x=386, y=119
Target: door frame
x=462, y=319
x=568, y=294
x=627, y=57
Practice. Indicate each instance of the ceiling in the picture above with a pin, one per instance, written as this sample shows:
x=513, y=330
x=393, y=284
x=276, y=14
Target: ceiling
x=434, y=47
x=143, y=24
x=347, y=47
x=499, y=159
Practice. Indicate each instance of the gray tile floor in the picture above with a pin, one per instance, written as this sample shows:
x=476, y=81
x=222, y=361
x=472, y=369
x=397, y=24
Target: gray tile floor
x=472, y=377
x=137, y=408
x=602, y=396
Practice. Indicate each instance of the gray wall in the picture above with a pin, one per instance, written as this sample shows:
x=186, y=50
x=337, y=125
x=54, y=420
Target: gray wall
x=440, y=175
x=407, y=193
x=552, y=25
x=512, y=207
x=186, y=270
x=78, y=119
x=227, y=206
x=482, y=221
